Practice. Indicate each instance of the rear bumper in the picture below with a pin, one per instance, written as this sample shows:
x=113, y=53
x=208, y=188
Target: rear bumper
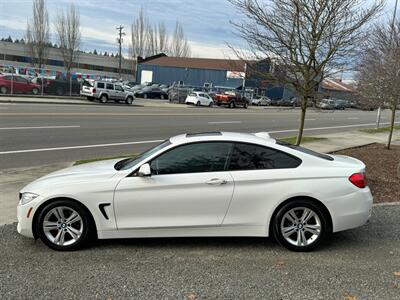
x=351, y=211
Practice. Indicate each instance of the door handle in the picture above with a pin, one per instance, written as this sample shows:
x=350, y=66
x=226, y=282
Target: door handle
x=217, y=181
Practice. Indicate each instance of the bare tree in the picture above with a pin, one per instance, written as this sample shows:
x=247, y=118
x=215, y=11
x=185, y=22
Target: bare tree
x=67, y=26
x=37, y=33
x=139, y=35
x=379, y=69
x=163, y=38
x=179, y=45
x=306, y=40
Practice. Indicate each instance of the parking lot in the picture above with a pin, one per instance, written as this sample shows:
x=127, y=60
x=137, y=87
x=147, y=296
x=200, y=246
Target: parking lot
x=361, y=263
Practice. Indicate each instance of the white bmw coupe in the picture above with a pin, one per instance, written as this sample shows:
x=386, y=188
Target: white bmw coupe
x=203, y=184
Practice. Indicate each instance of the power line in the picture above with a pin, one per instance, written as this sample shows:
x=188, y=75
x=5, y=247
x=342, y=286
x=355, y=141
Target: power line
x=119, y=40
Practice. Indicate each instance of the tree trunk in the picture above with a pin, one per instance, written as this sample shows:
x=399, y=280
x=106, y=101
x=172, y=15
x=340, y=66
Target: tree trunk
x=391, y=126
x=302, y=119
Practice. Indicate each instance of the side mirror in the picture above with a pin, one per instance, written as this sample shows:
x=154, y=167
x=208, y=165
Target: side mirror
x=144, y=171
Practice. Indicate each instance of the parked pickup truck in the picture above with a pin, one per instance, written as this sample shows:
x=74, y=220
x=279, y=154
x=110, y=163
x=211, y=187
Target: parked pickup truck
x=231, y=100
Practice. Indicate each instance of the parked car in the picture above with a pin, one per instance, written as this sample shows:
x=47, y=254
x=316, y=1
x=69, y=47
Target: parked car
x=59, y=86
x=231, y=99
x=151, y=92
x=199, y=98
x=17, y=85
x=340, y=104
x=326, y=104
x=261, y=101
x=203, y=184
x=105, y=91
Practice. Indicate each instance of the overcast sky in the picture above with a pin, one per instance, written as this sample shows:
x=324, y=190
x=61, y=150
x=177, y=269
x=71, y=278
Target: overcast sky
x=206, y=22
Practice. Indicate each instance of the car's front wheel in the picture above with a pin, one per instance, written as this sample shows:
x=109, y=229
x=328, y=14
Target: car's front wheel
x=64, y=225
x=129, y=100
x=300, y=225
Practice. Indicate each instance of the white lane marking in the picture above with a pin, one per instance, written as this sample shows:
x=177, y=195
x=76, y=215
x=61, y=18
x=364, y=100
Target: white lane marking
x=226, y=122
x=325, y=128
x=80, y=147
x=353, y=118
x=39, y=127
x=310, y=119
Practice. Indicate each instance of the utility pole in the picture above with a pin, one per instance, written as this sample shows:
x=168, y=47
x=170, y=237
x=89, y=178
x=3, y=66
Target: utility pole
x=119, y=40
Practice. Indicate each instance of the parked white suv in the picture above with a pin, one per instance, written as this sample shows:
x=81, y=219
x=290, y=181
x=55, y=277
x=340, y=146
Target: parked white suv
x=105, y=91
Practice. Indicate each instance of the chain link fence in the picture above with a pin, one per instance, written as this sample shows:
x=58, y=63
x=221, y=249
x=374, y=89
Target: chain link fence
x=16, y=80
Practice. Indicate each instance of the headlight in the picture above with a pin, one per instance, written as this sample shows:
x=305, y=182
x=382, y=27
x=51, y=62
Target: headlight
x=27, y=197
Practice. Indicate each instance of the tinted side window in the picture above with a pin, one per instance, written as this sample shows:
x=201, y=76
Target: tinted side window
x=254, y=157
x=109, y=86
x=100, y=85
x=193, y=158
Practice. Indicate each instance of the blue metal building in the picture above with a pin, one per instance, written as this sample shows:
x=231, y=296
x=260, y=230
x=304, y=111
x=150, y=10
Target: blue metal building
x=192, y=71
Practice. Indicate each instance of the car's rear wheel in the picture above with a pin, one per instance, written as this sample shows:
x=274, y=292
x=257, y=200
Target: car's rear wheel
x=211, y=104
x=35, y=91
x=103, y=99
x=64, y=225
x=162, y=97
x=300, y=225
x=198, y=103
x=3, y=90
x=129, y=100
x=245, y=105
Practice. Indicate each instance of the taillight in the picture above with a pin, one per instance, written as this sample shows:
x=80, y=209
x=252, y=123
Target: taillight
x=94, y=91
x=359, y=180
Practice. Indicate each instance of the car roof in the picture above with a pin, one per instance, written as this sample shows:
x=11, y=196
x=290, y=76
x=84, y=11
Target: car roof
x=256, y=138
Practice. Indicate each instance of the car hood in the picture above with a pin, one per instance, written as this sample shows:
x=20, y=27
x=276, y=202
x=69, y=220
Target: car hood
x=89, y=172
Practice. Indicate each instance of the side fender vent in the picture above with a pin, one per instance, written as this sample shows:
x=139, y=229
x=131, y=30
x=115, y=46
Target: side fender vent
x=102, y=209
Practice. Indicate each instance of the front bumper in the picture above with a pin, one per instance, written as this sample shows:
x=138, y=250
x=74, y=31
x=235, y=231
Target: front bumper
x=25, y=215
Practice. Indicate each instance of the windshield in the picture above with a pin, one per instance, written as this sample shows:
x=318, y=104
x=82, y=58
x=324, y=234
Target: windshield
x=128, y=163
x=305, y=150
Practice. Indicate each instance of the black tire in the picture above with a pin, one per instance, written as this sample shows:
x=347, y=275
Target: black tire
x=104, y=98
x=277, y=224
x=245, y=105
x=211, y=104
x=145, y=96
x=232, y=104
x=198, y=103
x=129, y=100
x=88, y=230
x=162, y=97
x=3, y=90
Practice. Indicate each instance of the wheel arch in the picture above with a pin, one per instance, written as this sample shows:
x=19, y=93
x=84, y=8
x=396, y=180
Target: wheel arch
x=314, y=200
x=47, y=202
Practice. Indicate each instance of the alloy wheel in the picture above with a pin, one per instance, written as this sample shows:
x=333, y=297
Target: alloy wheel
x=300, y=226
x=63, y=226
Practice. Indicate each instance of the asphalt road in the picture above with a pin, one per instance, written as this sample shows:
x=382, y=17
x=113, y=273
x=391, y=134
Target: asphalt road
x=36, y=134
x=361, y=263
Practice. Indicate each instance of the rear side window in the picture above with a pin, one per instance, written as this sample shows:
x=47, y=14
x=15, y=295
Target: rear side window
x=100, y=85
x=109, y=86
x=255, y=157
x=193, y=158
x=305, y=150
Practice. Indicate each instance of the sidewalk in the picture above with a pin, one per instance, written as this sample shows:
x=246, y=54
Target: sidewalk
x=82, y=101
x=12, y=180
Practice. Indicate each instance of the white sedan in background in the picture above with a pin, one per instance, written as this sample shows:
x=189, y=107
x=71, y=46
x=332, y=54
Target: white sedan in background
x=261, y=101
x=204, y=184
x=199, y=99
